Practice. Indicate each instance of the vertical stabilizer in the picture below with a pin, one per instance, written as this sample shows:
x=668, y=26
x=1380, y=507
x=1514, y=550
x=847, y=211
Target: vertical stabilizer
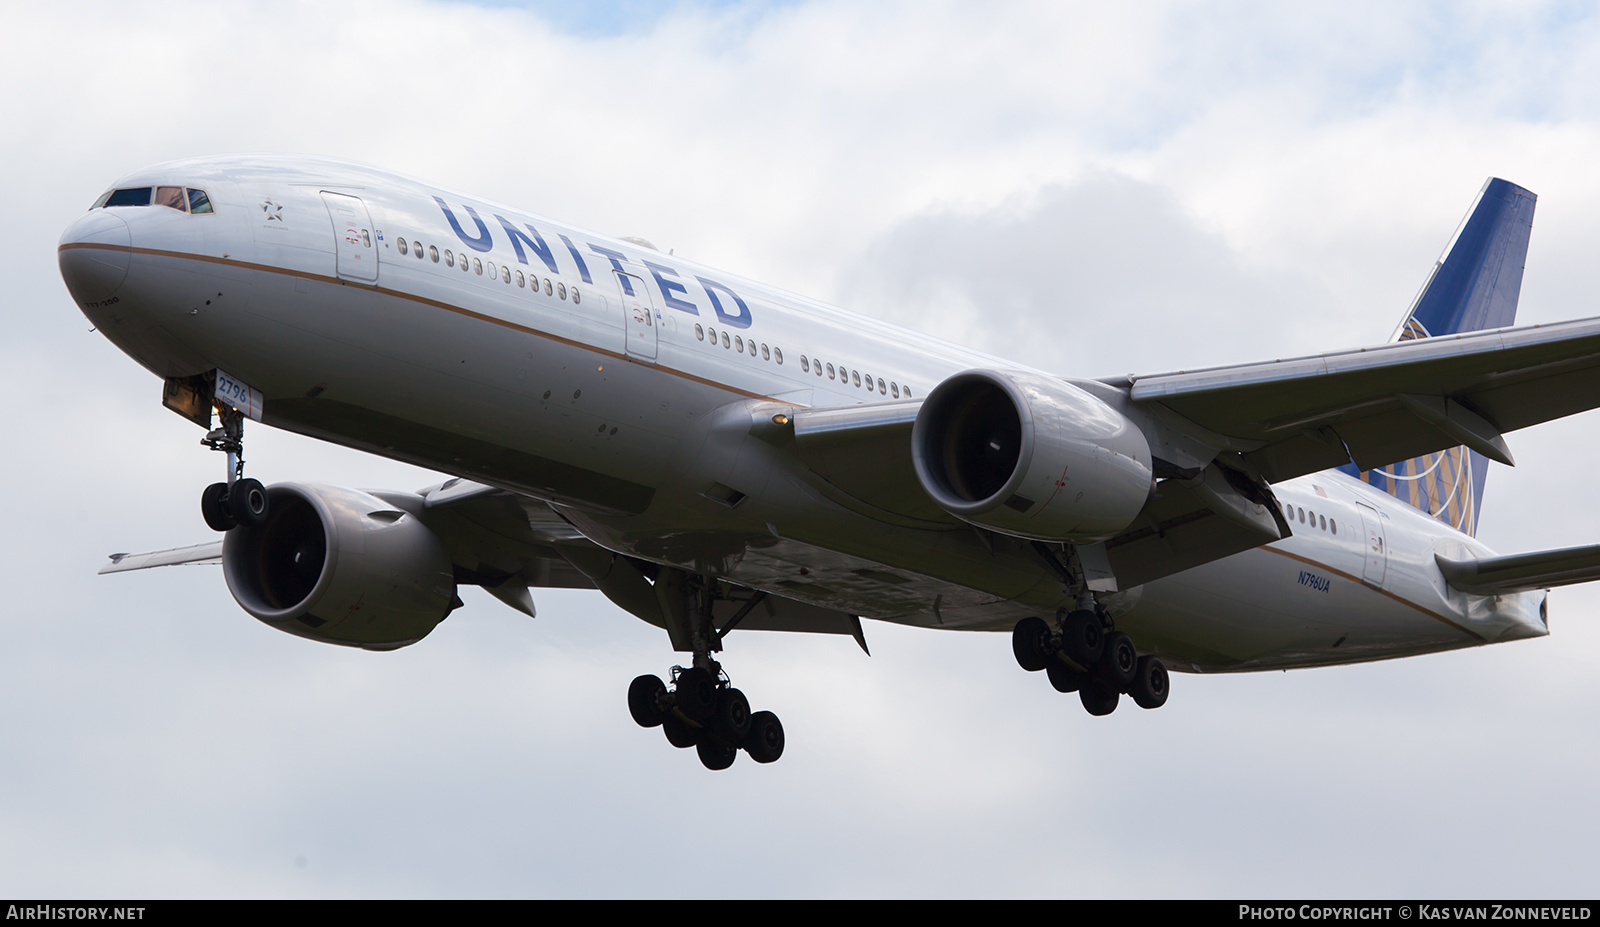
x=1474, y=286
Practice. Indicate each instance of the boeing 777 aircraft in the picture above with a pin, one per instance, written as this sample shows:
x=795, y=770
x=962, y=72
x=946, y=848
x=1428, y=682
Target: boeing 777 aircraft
x=715, y=455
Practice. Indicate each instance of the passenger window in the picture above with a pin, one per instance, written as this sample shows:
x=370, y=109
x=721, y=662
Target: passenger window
x=549, y=287
x=477, y=265
x=1333, y=527
x=856, y=376
x=765, y=354
x=522, y=282
x=173, y=197
x=777, y=354
x=449, y=258
x=561, y=291
x=401, y=244
x=908, y=392
x=830, y=371
x=1302, y=516
x=1324, y=521
x=699, y=332
x=199, y=203
x=465, y=267
x=575, y=298
x=417, y=247
x=881, y=388
x=433, y=252
x=505, y=274
x=805, y=364
x=724, y=339
x=894, y=389
x=738, y=344
x=492, y=273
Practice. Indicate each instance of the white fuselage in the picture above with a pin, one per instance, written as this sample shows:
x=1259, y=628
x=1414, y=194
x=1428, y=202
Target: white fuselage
x=521, y=361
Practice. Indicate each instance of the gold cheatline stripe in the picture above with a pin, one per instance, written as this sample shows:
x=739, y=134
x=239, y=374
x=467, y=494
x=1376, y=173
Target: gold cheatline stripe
x=1323, y=566
x=458, y=310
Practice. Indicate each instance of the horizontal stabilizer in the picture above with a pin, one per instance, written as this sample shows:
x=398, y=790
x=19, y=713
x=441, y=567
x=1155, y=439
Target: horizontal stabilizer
x=1542, y=569
x=209, y=552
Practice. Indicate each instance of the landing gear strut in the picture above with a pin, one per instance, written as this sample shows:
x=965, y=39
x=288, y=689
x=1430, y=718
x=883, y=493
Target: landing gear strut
x=702, y=709
x=238, y=501
x=1081, y=654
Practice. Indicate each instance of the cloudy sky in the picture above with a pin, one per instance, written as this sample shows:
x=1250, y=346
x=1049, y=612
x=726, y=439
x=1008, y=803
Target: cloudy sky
x=1091, y=188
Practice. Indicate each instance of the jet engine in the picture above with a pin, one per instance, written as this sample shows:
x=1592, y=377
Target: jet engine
x=340, y=566
x=1030, y=456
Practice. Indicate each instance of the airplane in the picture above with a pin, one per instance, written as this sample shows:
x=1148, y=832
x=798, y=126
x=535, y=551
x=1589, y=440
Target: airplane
x=712, y=454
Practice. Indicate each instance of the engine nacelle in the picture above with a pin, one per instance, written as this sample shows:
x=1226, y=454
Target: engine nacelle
x=1030, y=456
x=340, y=566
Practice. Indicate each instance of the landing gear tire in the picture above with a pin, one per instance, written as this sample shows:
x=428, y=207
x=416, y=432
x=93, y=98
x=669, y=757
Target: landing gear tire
x=1032, y=644
x=1150, y=683
x=731, y=720
x=1064, y=678
x=715, y=754
x=214, y=508
x=764, y=743
x=679, y=733
x=1098, y=698
x=1118, y=663
x=1082, y=639
x=644, y=701
x=247, y=502
x=696, y=694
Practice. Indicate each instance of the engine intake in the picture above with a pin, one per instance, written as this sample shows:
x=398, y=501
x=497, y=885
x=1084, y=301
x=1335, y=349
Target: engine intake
x=1030, y=456
x=340, y=566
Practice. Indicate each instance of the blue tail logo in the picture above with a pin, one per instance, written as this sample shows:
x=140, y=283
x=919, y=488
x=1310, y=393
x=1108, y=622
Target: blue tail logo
x=1474, y=286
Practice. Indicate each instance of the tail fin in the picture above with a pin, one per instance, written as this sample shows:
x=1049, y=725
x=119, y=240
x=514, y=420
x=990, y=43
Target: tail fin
x=1474, y=286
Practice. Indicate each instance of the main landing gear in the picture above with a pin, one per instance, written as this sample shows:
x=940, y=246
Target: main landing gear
x=702, y=709
x=1080, y=656
x=238, y=501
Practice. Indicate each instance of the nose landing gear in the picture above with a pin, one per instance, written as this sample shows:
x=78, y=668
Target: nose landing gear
x=237, y=501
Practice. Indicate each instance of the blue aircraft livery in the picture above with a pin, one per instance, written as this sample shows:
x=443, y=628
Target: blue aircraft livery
x=730, y=308
x=1473, y=287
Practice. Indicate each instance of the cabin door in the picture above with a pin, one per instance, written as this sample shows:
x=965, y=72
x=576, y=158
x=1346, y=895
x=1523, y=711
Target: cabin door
x=638, y=317
x=1376, y=562
x=356, y=255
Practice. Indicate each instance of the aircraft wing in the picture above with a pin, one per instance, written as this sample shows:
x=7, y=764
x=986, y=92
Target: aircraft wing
x=1391, y=402
x=209, y=552
x=508, y=543
x=1543, y=569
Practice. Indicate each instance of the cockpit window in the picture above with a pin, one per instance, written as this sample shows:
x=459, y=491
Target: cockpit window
x=134, y=196
x=171, y=196
x=182, y=199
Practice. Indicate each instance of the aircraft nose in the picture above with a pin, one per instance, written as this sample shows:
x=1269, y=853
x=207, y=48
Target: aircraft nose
x=93, y=255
